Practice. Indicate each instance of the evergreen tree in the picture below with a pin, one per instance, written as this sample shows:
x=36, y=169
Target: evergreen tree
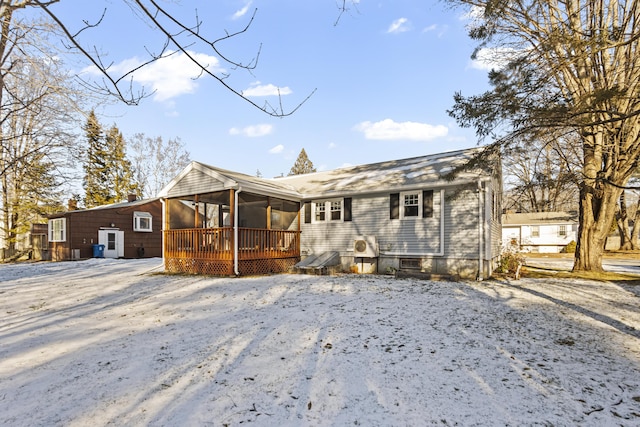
x=119, y=168
x=302, y=165
x=108, y=173
x=96, y=178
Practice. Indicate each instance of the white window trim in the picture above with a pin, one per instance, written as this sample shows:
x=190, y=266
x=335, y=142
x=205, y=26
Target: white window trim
x=402, y=205
x=562, y=231
x=62, y=237
x=327, y=211
x=136, y=222
x=535, y=231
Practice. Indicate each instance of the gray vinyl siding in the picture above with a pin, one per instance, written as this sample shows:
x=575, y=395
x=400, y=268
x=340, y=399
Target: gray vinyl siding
x=461, y=223
x=195, y=182
x=419, y=236
x=496, y=221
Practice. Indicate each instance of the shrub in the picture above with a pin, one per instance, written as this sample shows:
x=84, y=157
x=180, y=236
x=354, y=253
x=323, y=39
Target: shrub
x=510, y=261
x=571, y=247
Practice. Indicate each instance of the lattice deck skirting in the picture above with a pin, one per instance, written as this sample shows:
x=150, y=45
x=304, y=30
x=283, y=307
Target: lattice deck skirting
x=225, y=267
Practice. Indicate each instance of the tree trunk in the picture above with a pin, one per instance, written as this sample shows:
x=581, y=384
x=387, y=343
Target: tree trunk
x=595, y=222
x=598, y=202
x=635, y=231
x=588, y=256
x=622, y=220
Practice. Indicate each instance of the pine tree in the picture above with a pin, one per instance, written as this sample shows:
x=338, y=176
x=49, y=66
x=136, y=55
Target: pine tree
x=302, y=165
x=108, y=173
x=120, y=174
x=96, y=179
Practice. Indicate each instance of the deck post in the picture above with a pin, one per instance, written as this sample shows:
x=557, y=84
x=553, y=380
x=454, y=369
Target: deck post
x=233, y=199
x=196, y=211
x=268, y=213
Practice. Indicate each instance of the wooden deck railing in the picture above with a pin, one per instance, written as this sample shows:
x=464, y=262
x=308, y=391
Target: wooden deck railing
x=217, y=243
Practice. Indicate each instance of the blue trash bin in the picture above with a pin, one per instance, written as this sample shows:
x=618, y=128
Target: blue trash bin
x=98, y=251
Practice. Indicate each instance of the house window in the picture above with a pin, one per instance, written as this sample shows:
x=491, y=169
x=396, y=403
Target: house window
x=413, y=204
x=58, y=230
x=562, y=231
x=320, y=211
x=535, y=231
x=336, y=210
x=334, y=207
x=142, y=221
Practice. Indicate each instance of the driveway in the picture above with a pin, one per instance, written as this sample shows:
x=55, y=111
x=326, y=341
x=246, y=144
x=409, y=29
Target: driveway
x=628, y=264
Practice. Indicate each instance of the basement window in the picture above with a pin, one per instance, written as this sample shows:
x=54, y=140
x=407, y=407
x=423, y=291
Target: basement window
x=410, y=264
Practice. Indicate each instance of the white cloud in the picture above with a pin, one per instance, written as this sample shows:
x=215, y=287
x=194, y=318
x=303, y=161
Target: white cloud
x=390, y=130
x=400, y=25
x=277, y=149
x=440, y=30
x=258, y=89
x=240, y=13
x=492, y=58
x=332, y=145
x=168, y=77
x=253, y=131
x=474, y=16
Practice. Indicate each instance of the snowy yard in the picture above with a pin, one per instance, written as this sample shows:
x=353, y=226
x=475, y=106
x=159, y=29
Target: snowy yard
x=108, y=342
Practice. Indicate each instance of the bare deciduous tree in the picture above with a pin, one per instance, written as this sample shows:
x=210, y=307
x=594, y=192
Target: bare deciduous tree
x=179, y=37
x=156, y=161
x=37, y=111
x=540, y=176
x=569, y=67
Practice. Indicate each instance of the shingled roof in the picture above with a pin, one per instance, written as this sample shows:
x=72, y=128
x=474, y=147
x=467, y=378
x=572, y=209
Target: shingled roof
x=392, y=175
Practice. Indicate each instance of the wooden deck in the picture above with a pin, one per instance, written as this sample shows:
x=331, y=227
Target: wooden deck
x=211, y=251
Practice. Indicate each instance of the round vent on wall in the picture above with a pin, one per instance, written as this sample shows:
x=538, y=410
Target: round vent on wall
x=360, y=246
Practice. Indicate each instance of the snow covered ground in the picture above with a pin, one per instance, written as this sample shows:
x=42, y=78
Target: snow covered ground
x=111, y=342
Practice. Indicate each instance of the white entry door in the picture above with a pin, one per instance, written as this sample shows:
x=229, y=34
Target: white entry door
x=113, y=241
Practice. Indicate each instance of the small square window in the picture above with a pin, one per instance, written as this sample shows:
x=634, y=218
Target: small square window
x=142, y=221
x=562, y=231
x=535, y=231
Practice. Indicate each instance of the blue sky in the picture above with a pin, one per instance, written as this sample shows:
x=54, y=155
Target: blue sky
x=383, y=77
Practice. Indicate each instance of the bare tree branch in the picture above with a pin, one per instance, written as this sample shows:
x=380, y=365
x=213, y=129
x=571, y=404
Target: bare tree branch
x=173, y=30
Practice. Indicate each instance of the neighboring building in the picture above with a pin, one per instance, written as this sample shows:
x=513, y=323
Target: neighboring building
x=40, y=242
x=29, y=244
x=381, y=217
x=131, y=229
x=544, y=232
